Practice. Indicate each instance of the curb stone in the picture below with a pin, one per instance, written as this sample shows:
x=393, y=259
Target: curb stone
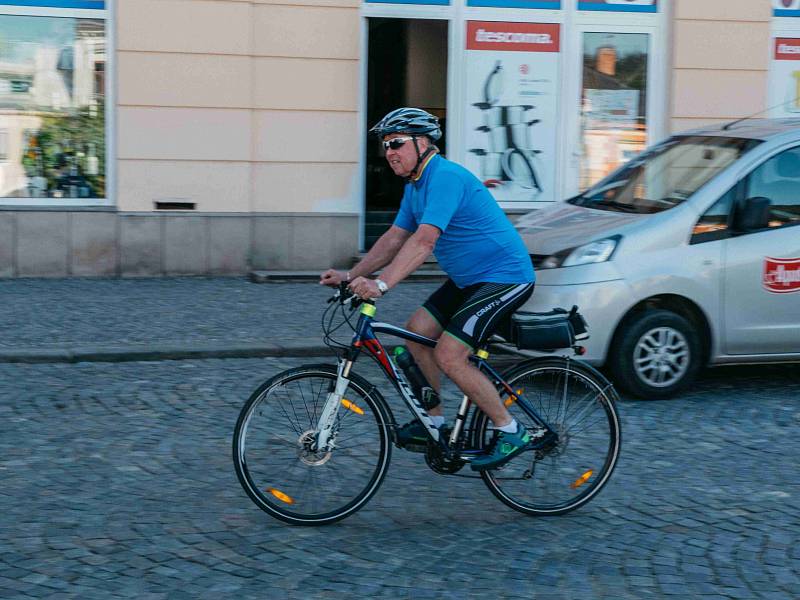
x=77, y=354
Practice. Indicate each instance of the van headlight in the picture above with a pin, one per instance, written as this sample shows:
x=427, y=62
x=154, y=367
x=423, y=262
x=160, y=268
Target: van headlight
x=593, y=252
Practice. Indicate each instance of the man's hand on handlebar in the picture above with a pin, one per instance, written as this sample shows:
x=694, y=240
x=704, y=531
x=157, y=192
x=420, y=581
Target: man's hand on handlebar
x=365, y=288
x=332, y=277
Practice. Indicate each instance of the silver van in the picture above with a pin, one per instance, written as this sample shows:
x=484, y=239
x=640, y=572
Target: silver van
x=685, y=256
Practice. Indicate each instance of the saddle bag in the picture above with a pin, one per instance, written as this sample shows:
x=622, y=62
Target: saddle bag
x=547, y=331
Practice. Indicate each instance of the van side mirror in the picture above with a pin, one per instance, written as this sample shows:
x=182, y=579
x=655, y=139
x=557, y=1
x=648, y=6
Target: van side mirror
x=753, y=214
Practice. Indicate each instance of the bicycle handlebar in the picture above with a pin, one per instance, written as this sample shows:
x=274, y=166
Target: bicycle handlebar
x=343, y=295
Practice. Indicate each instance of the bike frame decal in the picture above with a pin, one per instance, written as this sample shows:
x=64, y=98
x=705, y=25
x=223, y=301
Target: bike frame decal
x=366, y=337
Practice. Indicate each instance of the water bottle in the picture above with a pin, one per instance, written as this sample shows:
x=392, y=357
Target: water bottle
x=426, y=395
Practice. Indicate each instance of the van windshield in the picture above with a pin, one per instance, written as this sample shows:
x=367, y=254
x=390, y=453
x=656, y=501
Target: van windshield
x=665, y=175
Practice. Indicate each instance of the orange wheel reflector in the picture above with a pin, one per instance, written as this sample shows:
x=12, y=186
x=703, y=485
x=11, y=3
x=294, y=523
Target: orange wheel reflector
x=281, y=496
x=582, y=479
x=350, y=406
x=511, y=399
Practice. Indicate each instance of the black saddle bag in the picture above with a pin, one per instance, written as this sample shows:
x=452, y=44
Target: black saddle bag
x=547, y=331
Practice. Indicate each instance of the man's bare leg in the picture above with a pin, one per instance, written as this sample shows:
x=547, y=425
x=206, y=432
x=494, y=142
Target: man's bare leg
x=422, y=323
x=452, y=356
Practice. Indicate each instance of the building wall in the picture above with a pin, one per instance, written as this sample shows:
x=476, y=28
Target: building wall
x=245, y=108
x=103, y=242
x=248, y=109
x=238, y=105
x=720, y=56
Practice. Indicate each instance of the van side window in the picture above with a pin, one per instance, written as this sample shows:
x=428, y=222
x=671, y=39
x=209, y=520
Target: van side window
x=778, y=180
x=713, y=224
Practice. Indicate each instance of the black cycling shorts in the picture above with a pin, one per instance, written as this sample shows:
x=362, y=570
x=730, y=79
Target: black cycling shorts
x=473, y=313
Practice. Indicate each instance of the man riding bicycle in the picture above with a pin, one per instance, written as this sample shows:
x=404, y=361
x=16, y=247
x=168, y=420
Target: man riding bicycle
x=447, y=211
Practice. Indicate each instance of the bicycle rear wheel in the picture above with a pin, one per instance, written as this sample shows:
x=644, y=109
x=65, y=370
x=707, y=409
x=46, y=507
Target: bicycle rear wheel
x=272, y=447
x=579, y=403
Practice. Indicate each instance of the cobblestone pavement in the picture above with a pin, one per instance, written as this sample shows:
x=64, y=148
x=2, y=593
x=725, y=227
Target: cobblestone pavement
x=117, y=482
x=57, y=313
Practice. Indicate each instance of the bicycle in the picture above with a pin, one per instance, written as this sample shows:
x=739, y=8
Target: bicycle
x=312, y=444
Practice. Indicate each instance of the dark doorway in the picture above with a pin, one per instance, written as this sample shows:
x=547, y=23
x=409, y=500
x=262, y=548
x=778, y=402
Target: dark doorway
x=407, y=66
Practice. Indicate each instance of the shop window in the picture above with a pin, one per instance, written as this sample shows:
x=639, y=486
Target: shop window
x=3, y=145
x=52, y=105
x=613, y=102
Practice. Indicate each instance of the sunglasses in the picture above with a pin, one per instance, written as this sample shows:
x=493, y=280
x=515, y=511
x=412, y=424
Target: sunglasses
x=396, y=143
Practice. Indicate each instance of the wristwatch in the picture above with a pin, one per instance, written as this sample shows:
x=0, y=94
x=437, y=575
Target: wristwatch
x=382, y=286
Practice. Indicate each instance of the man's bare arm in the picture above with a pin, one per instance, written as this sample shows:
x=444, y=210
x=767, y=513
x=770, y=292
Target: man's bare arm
x=415, y=250
x=381, y=253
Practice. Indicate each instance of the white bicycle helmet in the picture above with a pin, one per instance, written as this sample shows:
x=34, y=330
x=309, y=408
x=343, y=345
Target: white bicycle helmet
x=413, y=121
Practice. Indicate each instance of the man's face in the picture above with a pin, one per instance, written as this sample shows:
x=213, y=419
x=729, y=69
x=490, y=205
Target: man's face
x=403, y=159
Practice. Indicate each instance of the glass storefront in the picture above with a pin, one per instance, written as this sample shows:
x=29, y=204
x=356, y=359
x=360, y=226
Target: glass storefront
x=544, y=97
x=53, y=102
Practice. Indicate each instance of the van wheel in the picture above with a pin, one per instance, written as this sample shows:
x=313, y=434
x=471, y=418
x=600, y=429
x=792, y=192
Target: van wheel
x=655, y=355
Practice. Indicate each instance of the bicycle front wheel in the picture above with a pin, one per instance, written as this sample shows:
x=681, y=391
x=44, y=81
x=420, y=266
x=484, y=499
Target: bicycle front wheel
x=579, y=404
x=273, y=447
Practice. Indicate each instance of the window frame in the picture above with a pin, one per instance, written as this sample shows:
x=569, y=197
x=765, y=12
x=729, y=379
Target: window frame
x=737, y=190
x=108, y=15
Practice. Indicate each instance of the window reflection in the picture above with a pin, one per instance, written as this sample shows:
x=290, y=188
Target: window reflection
x=613, y=102
x=52, y=107
x=778, y=180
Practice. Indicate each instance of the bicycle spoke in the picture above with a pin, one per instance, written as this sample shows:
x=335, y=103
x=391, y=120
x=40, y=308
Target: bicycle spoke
x=280, y=467
x=567, y=473
x=286, y=415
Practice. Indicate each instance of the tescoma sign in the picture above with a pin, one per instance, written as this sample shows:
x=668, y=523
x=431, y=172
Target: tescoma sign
x=511, y=118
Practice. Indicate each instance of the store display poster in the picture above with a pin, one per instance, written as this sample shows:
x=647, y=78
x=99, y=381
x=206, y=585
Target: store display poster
x=786, y=77
x=512, y=109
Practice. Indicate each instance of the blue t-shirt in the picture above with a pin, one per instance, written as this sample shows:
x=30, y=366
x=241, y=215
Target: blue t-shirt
x=478, y=243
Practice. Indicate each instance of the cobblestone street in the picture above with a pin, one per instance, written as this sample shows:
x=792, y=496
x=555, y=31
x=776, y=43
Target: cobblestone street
x=118, y=482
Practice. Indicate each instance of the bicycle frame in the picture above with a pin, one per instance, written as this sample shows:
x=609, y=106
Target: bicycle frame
x=364, y=338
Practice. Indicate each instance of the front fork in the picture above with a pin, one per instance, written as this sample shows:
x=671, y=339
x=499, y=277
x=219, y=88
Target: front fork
x=325, y=433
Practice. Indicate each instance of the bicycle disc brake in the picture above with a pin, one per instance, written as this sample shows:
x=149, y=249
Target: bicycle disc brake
x=306, y=452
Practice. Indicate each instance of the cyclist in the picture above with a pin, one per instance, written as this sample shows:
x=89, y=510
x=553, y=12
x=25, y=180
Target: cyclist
x=447, y=211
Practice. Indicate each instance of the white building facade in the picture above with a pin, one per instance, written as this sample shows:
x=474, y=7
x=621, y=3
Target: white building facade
x=215, y=137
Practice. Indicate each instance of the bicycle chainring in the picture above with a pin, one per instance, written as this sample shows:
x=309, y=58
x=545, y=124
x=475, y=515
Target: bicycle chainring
x=440, y=463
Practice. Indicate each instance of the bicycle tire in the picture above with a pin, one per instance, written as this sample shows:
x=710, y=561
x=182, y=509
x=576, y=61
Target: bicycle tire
x=562, y=469
x=273, y=464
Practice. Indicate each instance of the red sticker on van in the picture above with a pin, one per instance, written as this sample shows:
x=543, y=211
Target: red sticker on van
x=782, y=275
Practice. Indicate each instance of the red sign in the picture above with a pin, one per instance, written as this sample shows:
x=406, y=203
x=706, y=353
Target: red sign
x=513, y=37
x=787, y=48
x=782, y=275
